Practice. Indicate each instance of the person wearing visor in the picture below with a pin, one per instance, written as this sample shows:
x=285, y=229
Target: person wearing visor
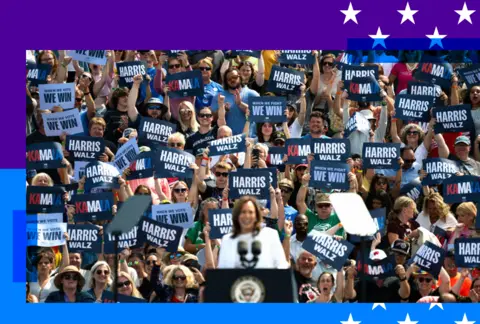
x=467, y=165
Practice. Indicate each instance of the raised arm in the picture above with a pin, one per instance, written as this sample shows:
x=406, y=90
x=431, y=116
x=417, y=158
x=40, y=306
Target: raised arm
x=160, y=193
x=303, y=106
x=443, y=150
x=62, y=67
x=221, y=121
x=260, y=77
x=382, y=124
x=193, y=192
x=281, y=208
x=340, y=286
x=65, y=254
x=445, y=278
x=316, y=74
x=202, y=186
x=209, y=259
x=302, y=194
x=394, y=131
x=132, y=97
x=287, y=229
x=454, y=99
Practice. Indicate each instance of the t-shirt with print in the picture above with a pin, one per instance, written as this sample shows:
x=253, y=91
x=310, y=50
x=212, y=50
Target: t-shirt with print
x=403, y=76
x=469, y=167
x=193, y=233
x=210, y=91
x=323, y=225
x=198, y=140
x=307, y=290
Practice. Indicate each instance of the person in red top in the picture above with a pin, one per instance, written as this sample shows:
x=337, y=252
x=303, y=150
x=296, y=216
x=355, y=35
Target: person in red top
x=402, y=72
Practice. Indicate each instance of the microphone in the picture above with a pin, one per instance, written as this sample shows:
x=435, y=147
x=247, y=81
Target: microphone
x=242, y=249
x=256, y=248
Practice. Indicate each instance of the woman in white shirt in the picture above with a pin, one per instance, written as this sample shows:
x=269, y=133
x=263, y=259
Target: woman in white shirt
x=436, y=212
x=45, y=263
x=247, y=220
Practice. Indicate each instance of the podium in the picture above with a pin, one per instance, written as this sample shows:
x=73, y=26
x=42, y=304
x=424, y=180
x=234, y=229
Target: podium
x=250, y=286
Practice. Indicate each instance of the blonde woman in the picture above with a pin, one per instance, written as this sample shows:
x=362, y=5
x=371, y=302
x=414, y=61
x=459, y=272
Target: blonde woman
x=436, y=212
x=412, y=135
x=179, y=286
x=42, y=180
x=126, y=285
x=187, y=119
x=401, y=224
x=100, y=280
x=176, y=140
x=466, y=214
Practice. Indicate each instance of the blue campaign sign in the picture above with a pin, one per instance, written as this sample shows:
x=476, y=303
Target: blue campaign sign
x=297, y=150
x=108, y=298
x=127, y=70
x=435, y=72
x=412, y=107
x=100, y=175
x=364, y=89
x=130, y=239
x=45, y=199
x=93, y=207
x=329, y=175
x=246, y=53
x=220, y=221
x=380, y=218
x=331, y=149
x=438, y=170
x=328, y=249
x=273, y=176
x=412, y=190
x=357, y=122
x=296, y=57
x=467, y=252
x=458, y=189
x=430, y=258
x=275, y=157
x=84, y=238
x=142, y=167
x=249, y=182
x=160, y=234
x=170, y=162
x=185, y=84
x=357, y=71
x=453, y=119
x=381, y=155
x=155, y=131
x=283, y=80
x=37, y=73
x=471, y=75
x=346, y=58
x=227, y=145
x=267, y=109
x=46, y=155
x=85, y=148
x=376, y=269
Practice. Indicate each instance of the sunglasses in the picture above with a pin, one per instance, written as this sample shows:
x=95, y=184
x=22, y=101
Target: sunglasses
x=223, y=174
x=124, y=284
x=156, y=107
x=151, y=262
x=105, y=272
x=176, y=255
x=321, y=206
x=182, y=278
x=175, y=144
x=84, y=76
x=185, y=111
x=71, y=277
x=234, y=77
x=381, y=183
x=180, y=190
x=410, y=161
x=412, y=133
x=174, y=66
x=202, y=68
x=78, y=99
x=328, y=63
x=205, y=115
x=133, y=263
x=427, y=280
x=286, y=190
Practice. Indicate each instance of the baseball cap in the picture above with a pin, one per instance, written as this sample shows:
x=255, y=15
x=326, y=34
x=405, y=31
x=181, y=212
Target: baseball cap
x=286, y=183
x=462, y=139
x=377, y=255
x=301, y=165
x=278, y=135
x=322, y=198
x=400, y=246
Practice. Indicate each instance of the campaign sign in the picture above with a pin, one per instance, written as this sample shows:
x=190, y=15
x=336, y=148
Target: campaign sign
x=127, y=70
x=227, y=145
x=141, y=167
x=441, y=234
x=93, y=207
x=108, y=298
x=249, y=182
x=412, y=190
x=412, y=107
x=46, y=155
x=246, y=53
x=376, y=269
x=155, y=131
x=170, y=162
x=67, y=121
x=380, y=219
x=283, y=80
x=56, y=94
x=97, y=57
x=423, y=89
x=273, y=176
x=45, y=199
x=438, y=169
x=179, y=214
x=100, y=175
x=85, y=148
x=467, y=252
x=356, y=71
x=267, y=109
x=220, y=221
x=329, y=175
x=328, y=249
x=126, y=155
x=357, y=122
x=330, y=149
x=275, y=157
x=458, y=189
x=364, y=89
x=346, y=58
x=71, y=189
x=430, y=258
x=160, y=234
x=297, y=57
x=453, y=119
x=84, y=238
x=381, y=155
x=297, y=150
x=185, y=84
x=131, y=239
x=439, y=73
x=44, y=218
x=46, y=235
x=79, y=170
x=37, y=73
x=471, y=75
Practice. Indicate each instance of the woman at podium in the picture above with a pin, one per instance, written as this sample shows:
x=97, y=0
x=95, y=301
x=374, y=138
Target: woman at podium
x=249, y=245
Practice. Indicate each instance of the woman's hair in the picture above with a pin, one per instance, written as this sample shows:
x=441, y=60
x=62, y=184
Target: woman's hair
x=466, y=94
x=381, y=195
x=119, y=92
x=190, y=282
x=260, y=134
x=467, y=208
x=94, y=268
x=42, y=174
x=137, y=255
x=401, y=203
x=135, y=292
x=328, y=55
x=328, y=274
x=237, y=210
x=409, y=127
x=402, y=58
x=192, y=124
x=176, y=59
x=174, y=199
x=204, y=203
x=261, y=146
x=45, y=253
x=207, y=61
x=225, y=79
x=443, y=208
x=177, y=135
x=250, y=65
x=376, y=178
x=144, y=187
x=223, y=165
x=294, y=116
x=55, y=61
x=97, y=121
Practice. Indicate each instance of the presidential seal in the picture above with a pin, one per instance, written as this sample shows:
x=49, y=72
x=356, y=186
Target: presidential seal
x=247, y=289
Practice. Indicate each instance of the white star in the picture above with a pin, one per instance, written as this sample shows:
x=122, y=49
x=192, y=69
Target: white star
x=465, y=14
x=351, y=321
x=350, y=14
x=407, y=14
x=407, y=321
x=465, y=320
x=436, y=38
x=439, y=305
x=375, y=305
x=379, y=38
